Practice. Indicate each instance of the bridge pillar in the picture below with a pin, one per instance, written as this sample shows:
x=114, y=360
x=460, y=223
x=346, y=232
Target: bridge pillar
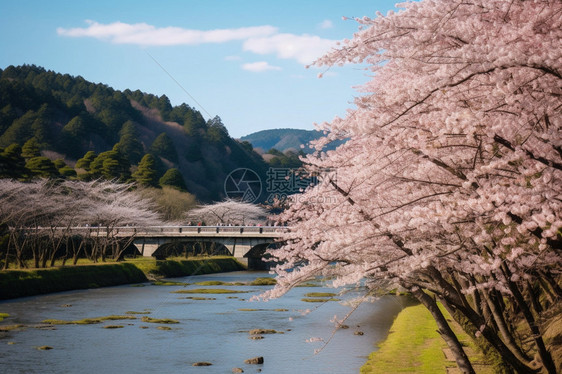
x=239, y=247
x=147, y=246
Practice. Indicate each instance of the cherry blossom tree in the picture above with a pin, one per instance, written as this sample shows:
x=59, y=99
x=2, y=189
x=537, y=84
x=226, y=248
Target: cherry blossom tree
x=41, y=216
x=228, y=212
x=451, y=178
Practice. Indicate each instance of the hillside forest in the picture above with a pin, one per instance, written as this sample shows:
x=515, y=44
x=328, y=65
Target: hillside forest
x=56, y=125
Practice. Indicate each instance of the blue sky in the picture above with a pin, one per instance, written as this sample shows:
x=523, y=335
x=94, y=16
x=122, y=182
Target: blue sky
x=243, y=60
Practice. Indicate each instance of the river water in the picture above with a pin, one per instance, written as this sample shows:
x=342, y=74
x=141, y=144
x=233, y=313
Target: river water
x=215, y=331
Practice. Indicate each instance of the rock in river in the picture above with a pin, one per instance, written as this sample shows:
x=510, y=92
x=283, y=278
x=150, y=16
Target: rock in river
x=255, y=360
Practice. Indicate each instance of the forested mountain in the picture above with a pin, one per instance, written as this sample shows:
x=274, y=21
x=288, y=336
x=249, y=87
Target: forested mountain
x=57, y=125
x=282, y=139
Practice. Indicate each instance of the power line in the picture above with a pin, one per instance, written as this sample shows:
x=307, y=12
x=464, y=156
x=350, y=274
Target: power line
x=178, y=83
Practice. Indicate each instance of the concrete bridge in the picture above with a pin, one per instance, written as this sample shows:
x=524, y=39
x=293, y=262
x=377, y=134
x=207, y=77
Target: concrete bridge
x=239, y=240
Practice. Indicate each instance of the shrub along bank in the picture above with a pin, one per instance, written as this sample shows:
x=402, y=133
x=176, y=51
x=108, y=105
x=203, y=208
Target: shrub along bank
x=19, y=283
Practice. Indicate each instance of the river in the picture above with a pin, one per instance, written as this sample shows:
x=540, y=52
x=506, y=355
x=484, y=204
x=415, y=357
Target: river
x=214, y=330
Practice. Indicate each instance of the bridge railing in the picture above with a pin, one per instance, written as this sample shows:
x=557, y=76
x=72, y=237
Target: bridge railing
x=123, y=230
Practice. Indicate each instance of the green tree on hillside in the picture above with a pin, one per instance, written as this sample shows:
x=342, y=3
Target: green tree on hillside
x=164, y=147
x=146, y=174
x=173, y=178
x=129, y=145
x=84, y=162
x=216, y=130
x=110, y=165
x=63, y=169
x=7, y=116
x=164, y=106
x=74, y=134
x=20, y=130
x=42, y=167
x=75, y=104
x=76, y=128
x=194, y=124
x=30, y=149
x=12, y=164
x=43, y=126
x=179, y=112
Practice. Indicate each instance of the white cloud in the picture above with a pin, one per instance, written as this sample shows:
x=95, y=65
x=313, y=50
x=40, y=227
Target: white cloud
x=326, y=24
x=257, y=39
x=303, y=48
x=259, y=66
x=148, y=35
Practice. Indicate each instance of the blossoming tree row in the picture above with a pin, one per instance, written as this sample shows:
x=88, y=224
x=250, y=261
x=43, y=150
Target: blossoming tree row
x=450, y=182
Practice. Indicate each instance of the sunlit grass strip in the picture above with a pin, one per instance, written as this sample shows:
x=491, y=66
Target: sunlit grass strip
x=413, y=345
x=209, y=291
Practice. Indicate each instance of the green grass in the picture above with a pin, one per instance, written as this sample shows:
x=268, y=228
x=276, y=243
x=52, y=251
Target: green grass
x=28, y=282
x=3, y=315
x=18, y=283
x=414, y=346
x=179, y=266
x=320, y=294
x=263, y=281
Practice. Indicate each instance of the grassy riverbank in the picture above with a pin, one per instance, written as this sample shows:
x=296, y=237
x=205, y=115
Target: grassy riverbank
x=414, y=346
x=19, y=283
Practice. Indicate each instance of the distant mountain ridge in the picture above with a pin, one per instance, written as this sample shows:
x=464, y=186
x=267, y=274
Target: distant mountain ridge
x=285, y=139
x=282, y=139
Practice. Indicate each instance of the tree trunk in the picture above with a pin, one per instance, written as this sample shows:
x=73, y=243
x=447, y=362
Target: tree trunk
x=504, y=330
x=445, y=331
x=552, y=282
x=545, y=355
x=535, y=303
x=7, y=257
x=480, y=324
x=450, y=296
